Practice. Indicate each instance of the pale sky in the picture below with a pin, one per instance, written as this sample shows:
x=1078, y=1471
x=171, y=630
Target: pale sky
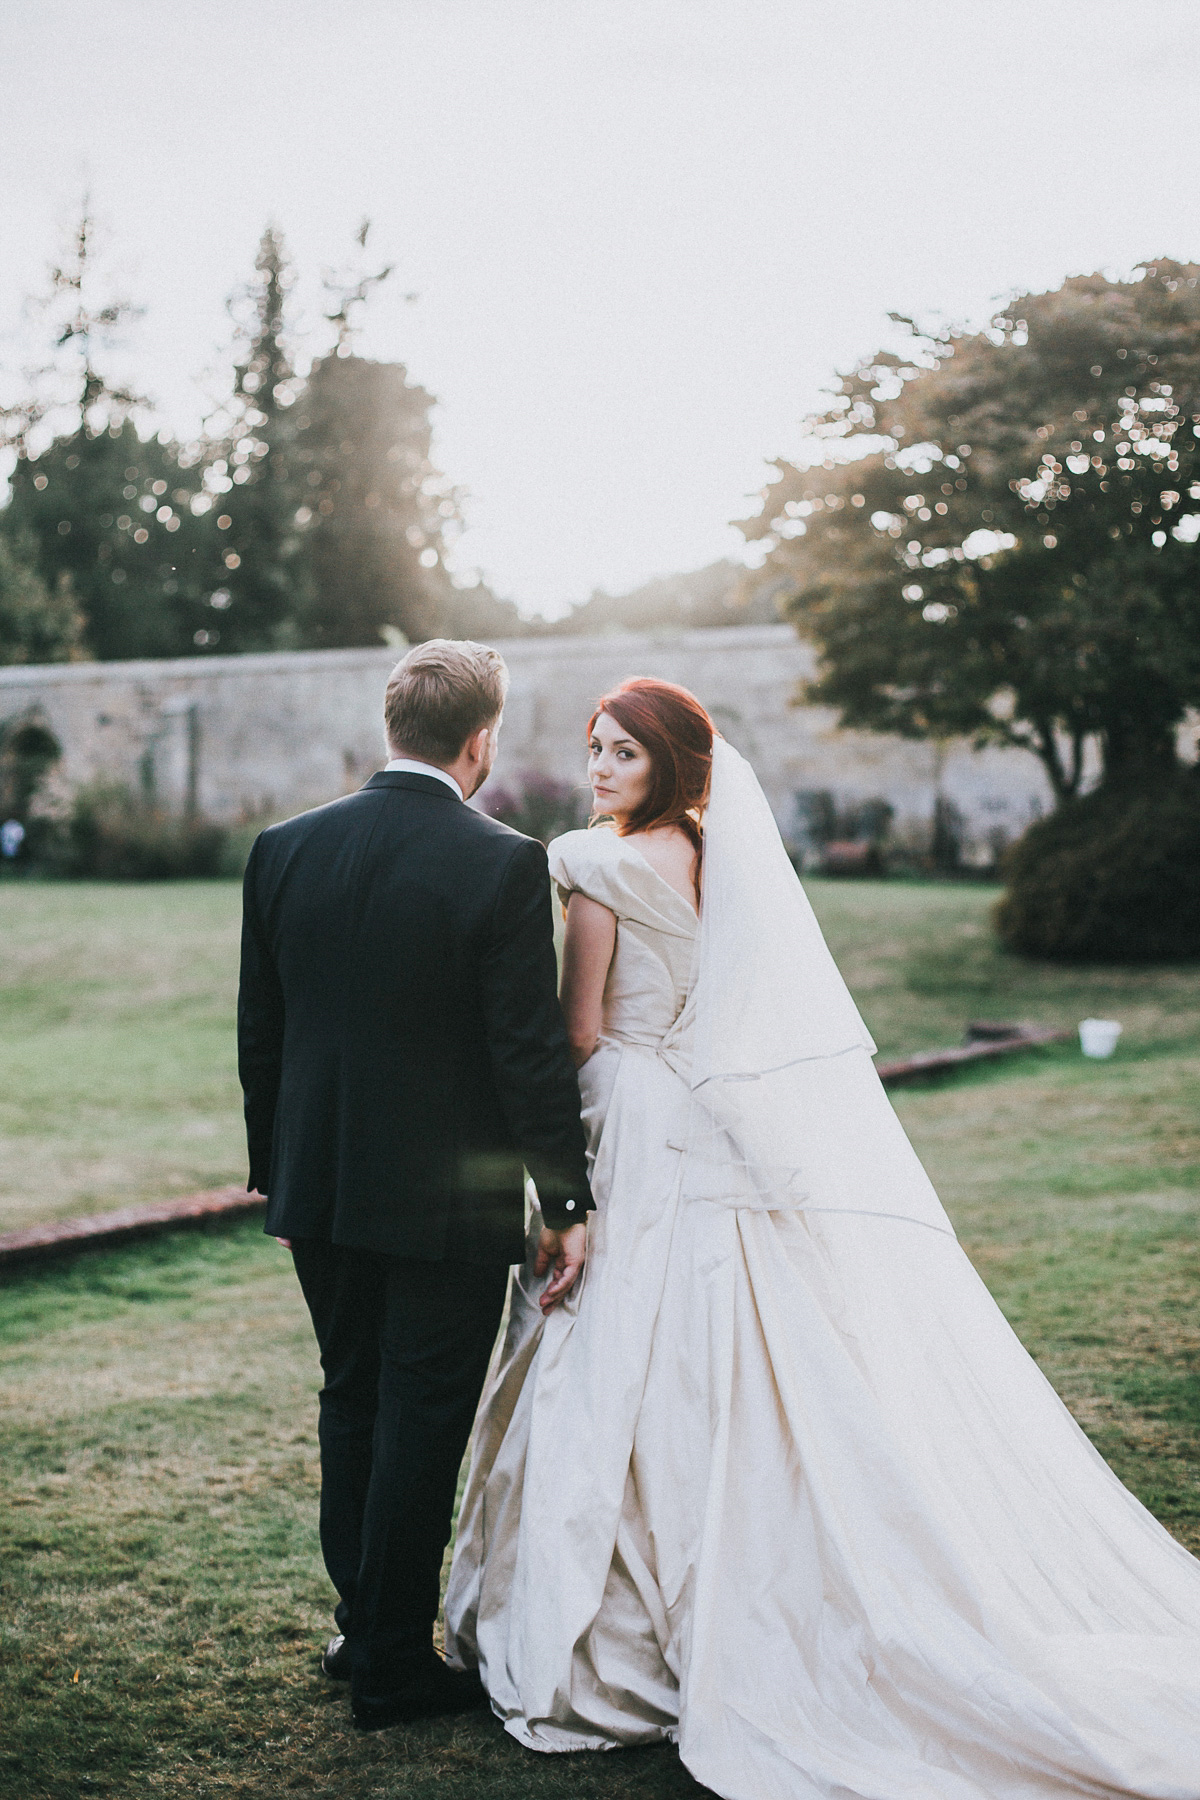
x=644, y=233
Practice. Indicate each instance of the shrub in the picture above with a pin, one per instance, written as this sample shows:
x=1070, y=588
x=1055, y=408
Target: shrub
x=110, y=836
x=848, y=857
x=1114, y=877
x=838, y=837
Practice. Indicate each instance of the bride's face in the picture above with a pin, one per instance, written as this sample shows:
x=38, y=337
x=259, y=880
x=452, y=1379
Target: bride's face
x=619, y=769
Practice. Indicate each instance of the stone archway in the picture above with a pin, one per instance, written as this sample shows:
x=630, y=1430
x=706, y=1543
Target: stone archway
x=28, y=752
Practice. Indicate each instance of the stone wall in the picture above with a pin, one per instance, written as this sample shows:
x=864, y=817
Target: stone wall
x=265, y=736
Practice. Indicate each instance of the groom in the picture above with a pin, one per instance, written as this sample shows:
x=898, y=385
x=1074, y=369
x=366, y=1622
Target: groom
x=403, y=1057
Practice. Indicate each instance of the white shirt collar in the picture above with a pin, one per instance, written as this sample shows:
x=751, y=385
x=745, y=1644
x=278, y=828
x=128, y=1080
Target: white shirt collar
x=405, y=765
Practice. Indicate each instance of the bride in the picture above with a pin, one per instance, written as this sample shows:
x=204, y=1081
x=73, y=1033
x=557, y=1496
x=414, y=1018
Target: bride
x=777, y=1481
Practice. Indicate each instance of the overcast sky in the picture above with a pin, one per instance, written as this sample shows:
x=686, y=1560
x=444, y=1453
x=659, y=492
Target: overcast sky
x=644, y=233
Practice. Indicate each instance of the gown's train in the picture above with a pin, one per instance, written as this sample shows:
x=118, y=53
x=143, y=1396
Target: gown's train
x=779, y=1482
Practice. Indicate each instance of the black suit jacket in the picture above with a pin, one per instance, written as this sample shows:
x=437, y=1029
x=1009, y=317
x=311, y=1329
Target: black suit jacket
x=400, y=1041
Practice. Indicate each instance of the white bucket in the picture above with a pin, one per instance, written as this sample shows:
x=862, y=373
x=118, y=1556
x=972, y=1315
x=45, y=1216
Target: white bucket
x=1098, y=1037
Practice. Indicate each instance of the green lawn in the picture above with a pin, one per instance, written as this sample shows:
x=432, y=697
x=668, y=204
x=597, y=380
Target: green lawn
x=117, y=1078
x=158, y=1473
x=117, y=1081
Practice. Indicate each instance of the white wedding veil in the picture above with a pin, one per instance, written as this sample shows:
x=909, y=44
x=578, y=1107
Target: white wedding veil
x=787, y=1112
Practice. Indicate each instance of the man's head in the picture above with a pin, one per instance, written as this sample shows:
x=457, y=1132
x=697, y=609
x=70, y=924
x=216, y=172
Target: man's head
x=443, y=706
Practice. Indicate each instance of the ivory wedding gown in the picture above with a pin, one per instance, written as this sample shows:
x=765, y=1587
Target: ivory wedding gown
x=778, y=1482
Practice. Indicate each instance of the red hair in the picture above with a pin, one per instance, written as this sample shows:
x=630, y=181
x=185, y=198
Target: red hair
x=677, y=733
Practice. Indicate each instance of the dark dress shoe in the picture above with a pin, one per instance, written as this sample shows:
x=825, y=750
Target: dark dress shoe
x=430, y=1692
x=336, y=1661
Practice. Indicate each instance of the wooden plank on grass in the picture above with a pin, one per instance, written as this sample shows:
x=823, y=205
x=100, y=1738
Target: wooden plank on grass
x=62, y=1236
x=940, y=1062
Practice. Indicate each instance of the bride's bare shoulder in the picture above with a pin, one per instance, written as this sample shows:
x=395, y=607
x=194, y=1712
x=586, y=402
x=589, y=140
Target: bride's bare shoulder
x=671, y=854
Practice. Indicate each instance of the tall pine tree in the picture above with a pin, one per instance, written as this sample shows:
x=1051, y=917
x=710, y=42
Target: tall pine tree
x=251, y=472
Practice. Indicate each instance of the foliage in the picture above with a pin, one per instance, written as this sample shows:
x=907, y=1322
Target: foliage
x=111, y=516
x=377, y=515
x=998, y=541
x=720, y=594
x=539, y=806
x=37, y=624
x=251, y=473
x=821, y=818
x=104, y=514
x=113, y=836
x=1112, y=877
x=380, y=514
x=838, y=836
x=946, y=839
x=309, y=515
x=79, y=387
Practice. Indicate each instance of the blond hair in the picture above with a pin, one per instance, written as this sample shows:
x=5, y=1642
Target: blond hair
x=441, y=694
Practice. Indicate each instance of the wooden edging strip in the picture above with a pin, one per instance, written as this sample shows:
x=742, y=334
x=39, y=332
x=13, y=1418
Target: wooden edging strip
x=938, y=1062
x=62, y=1237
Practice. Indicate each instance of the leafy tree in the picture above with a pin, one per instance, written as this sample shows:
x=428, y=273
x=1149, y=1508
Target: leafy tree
x=998, y=540
x=310, y=515
x=375, y=510
x=36, y=625
x=107, y=514
x=378, y=517
x=110, y=514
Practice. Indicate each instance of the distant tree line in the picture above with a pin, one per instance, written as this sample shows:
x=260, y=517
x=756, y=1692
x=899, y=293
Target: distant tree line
x=309, y=514
x=720, y=594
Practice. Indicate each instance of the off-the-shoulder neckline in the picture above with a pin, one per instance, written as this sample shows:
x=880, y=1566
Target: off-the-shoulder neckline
x=626, y=845
x=669, y=885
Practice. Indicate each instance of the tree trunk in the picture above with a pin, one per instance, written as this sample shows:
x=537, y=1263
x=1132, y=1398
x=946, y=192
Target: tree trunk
x=1045, y=745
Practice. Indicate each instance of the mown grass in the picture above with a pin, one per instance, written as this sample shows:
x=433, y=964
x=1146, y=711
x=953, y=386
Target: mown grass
x=117, y=1081
x=921, y=960
x=164, y=1600
x=158, y=1474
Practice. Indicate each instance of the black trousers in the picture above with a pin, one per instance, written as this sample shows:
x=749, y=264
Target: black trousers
x=404, y=1349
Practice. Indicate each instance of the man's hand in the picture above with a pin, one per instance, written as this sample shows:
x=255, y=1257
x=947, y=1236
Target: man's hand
x=562, y=1251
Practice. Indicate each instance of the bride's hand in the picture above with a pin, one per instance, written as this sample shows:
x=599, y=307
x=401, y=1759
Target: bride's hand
x=563, y=1251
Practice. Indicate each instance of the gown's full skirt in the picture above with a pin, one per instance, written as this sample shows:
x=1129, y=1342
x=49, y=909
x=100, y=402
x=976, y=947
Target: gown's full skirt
x=785, y=1488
